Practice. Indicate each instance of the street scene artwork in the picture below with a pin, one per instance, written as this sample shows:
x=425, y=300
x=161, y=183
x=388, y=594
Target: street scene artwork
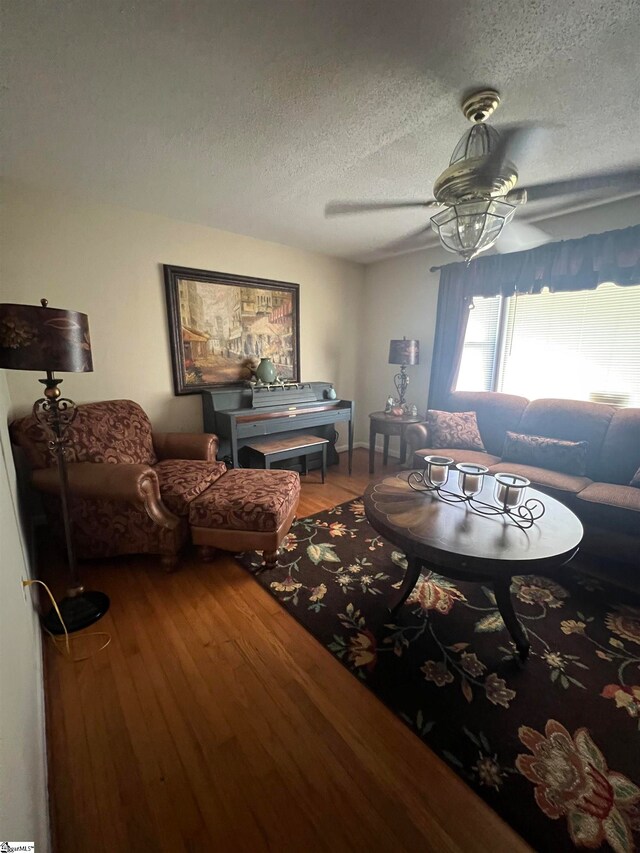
x=224, y=328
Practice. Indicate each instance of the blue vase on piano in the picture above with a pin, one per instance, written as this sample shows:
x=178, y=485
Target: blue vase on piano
x=266, y=371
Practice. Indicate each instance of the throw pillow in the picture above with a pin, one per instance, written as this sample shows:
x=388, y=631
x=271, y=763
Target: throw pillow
x=567, y=457
x=457, y=430
x=635, y=480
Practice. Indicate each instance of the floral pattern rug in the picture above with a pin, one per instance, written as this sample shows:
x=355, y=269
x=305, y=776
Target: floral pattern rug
x=552, y=745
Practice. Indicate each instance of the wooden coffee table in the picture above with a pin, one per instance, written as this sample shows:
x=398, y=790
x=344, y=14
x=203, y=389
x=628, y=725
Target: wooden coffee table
x=463, y=545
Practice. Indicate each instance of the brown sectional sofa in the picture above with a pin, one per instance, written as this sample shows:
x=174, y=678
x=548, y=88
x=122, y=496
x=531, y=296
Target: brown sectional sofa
x=607, y=505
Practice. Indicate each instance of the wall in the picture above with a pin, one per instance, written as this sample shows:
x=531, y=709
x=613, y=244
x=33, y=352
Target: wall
x=401, y=298
x=23, y=791
x=106, y=262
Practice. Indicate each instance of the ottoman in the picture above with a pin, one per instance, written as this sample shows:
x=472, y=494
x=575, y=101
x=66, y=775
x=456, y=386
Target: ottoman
x=246, y=509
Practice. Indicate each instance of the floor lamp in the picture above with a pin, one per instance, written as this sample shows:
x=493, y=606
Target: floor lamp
x=36, y=337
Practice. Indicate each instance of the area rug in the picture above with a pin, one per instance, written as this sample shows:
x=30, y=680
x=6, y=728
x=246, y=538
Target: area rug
x=553, y=745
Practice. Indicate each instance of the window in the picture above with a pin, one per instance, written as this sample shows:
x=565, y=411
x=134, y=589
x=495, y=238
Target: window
x=583, y=345
x=479, y=354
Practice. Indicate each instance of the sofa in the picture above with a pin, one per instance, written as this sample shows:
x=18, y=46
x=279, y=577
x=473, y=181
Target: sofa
x=602, y=497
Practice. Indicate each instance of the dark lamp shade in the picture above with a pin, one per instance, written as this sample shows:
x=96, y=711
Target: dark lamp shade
x=37, y=338
x=404, y=352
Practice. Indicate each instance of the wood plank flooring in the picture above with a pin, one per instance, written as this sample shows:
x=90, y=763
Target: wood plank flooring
x=214, y=722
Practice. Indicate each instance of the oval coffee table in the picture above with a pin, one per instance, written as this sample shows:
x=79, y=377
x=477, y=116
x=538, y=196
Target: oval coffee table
x=463, y=545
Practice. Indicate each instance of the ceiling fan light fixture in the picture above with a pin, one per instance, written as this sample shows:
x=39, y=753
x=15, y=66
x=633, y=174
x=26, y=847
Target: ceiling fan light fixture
x=480, y=140
x=471, y=227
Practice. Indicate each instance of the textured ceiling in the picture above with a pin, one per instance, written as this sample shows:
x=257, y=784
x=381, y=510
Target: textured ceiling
x=249, y=115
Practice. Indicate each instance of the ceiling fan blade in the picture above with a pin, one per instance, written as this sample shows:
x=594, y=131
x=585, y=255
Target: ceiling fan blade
x=408, y=241
x=515, y=140
x=519, y=236
x=339, y=208
x=627, y=180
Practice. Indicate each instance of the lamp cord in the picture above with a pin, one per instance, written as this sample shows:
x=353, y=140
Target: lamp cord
x=67, y=638
x=25, y=583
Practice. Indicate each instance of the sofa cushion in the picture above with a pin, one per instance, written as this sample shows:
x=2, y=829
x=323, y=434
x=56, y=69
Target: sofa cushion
x=570, y=420
x=247, y=499
x=567, y=457
x=620, y=454
x=455, y=453
x=496, y=413
x=454, y=429
x=182, y=480
x=612, y=506
x=556, y=483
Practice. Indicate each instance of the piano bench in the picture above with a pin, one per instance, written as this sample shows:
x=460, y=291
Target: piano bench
x=247, y=509
x=279, y=449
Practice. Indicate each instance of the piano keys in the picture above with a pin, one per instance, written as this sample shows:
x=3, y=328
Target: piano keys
x=239, y=414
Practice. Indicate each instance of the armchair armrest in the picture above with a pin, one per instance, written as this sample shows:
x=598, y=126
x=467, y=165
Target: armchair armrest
x=137, y=484
x=417, y=436
x=186, y=445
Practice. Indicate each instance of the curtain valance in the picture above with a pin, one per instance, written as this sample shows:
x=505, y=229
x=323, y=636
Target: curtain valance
x=580, y=264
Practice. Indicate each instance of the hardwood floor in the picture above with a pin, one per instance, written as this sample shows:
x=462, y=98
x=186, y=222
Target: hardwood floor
x=214, y=722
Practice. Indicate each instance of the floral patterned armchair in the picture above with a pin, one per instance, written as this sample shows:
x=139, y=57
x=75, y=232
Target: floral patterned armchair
x=130, y=487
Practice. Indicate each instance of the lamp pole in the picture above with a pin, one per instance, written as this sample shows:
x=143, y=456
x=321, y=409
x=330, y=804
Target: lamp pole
x=57, y=413
x=52, y=340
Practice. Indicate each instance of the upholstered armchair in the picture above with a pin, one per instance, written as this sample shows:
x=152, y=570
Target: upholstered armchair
x=130, y=487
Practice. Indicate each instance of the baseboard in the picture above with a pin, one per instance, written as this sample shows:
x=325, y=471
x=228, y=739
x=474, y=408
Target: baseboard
x=364, y=444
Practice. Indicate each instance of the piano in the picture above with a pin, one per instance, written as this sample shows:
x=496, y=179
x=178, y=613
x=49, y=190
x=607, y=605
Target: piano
x=239, y=414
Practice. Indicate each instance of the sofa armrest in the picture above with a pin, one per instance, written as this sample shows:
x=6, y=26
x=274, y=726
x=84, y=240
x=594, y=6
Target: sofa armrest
x=186, y=445
x=137, y=484
x=417, y=436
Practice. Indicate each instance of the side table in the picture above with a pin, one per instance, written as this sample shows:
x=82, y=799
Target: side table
x=387, y=425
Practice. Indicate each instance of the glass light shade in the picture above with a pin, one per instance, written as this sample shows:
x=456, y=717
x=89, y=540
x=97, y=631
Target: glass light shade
x=472, y=227
x=438, y=469
x=470, y=477
x=510, y=489
x=478, y=141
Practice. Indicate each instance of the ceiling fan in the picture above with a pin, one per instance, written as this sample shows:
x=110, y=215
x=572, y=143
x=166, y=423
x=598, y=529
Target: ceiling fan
x=477, y=191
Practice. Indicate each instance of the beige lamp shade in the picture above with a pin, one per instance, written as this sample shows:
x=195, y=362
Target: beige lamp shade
x=36, y=337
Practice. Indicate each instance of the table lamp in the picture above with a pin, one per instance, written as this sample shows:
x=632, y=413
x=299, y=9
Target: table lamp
x=36, y=337
x=404, y=352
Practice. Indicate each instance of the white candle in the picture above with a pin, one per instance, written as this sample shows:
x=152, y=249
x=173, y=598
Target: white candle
x=503, y=492
x=438, y=469
x=510, y=489
x=471, y=483
x=438, y=474
x=470, y=477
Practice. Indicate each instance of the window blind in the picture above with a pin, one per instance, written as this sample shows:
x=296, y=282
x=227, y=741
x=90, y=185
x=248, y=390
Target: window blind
x=479, y=352
x=582, y=345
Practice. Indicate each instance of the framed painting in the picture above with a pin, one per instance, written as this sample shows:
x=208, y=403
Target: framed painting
x=221, y=325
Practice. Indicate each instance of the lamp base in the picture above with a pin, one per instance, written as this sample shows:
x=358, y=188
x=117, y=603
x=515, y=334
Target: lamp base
x=77, y=612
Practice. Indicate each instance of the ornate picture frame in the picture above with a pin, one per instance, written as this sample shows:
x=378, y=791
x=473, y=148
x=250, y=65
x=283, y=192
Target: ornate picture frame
x=220, y=325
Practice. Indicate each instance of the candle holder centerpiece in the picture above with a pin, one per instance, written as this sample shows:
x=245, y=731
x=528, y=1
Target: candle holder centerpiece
x=509, y=492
